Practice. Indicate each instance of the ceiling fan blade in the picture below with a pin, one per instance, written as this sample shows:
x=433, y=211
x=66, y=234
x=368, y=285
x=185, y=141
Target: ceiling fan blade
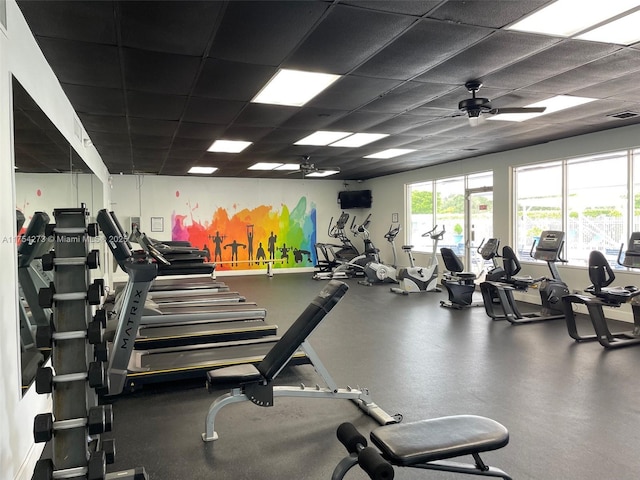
x=497, y=111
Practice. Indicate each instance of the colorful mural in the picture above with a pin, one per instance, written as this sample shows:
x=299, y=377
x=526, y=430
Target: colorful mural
x=249, y=238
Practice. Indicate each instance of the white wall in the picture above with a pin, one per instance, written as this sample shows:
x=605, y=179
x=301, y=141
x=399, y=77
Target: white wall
x=21, y=57
x=161, y=196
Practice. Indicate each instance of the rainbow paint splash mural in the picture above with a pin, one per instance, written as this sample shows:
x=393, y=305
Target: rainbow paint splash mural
x=249, y=238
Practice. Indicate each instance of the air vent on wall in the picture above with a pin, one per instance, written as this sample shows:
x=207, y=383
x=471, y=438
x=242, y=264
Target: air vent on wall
x=624, y=115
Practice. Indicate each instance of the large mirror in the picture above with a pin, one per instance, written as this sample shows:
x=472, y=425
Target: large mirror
x=49, y=174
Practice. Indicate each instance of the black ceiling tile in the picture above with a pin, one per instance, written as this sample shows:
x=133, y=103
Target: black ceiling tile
x=620, y=87
x=232, y=80
x=155, y=154
x=262, y=115
x=109, y=151
x=608, y=68
x=95, y=100
x=103, y=123
x=359, y=121
x=209, y=110
x=285, y=136
x=155, y=106
x=345, y=38
x=152, y=126
x=559, y=58
x=159, y=72
x=150, y=141
x=487, y=13
x=492, y=53
x=406, y=97
x=85, y=21
x=207, y=131
x=264, y=32
x=427, y=43
x=190, y=144
x=246, y=133
x=351, y=92
x=313, y=118
x=405, y=7
x=450, y=100
x=182, y=27
x=400, y=124
x=83, y=63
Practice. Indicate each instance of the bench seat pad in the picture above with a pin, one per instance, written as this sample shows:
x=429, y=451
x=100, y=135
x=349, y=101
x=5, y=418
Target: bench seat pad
x=412, y=443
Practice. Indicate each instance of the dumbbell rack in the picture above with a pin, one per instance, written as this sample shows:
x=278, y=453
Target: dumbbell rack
x=78, y=357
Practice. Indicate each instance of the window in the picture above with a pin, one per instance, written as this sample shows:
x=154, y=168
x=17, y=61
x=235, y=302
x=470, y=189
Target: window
x=442, y=202
x=587, y=198
x=538, y=204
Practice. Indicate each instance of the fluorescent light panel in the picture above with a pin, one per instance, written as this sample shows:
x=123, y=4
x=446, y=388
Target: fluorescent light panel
x=228, y=146
x=568, y=17
x=274, y=166
x=293, y=87
x=553, y=104
x=202, y=170
x=390, y=153
x=322, y=173
x=623, y=31
x=358, y=139
x=322, y=138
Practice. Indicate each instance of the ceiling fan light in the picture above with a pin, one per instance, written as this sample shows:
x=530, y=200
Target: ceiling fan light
x=359, y=139
x=322, y=173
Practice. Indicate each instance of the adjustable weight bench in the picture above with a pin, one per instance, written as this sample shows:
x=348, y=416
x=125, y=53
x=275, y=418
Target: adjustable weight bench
x=254, y=383
x=426, y=444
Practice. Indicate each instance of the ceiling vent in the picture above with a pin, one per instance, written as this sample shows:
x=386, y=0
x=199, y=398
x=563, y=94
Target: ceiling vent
x=624, y=115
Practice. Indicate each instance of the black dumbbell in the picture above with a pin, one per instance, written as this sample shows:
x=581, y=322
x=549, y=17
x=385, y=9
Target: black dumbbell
x=94, y=332
x=97, y=466
x=109, y=449
x=43, y=470
x=94, y=293
x=44, y=334
x=97, y=376
x=93, y=230
x=93, y=259
x=99, y=420
x=47, y=261
x=45, y=296
x=101, y=352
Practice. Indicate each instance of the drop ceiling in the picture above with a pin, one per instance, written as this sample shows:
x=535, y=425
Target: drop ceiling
x=155, y=83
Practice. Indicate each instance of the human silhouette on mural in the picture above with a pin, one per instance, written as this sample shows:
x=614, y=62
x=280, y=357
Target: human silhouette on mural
x=284, y=252
x=207, y=252
x=260, y=255
x=272, y=246
x=217, y=251
x=297, y=255
x=250, y=242
x=234, y=251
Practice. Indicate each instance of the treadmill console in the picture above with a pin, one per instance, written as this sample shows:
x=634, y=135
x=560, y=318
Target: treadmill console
x=549, y=246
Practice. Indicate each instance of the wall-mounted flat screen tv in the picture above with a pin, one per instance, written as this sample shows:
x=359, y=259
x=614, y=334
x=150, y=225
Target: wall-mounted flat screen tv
x=354, y=199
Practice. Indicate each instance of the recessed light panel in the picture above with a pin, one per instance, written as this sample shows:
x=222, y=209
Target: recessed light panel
x=322, y=138
x=202, y=170
x=553, y=104
x=322, y=173
x=264, y=166
x=390, y=153
x=294, y=87
x=358, y=139
x=228, y=146
x=289, y=167
x=568, y=17
x=623, y=31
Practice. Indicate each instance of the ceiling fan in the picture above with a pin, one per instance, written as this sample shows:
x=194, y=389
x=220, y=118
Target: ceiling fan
x=475, y=106
x=309, y=169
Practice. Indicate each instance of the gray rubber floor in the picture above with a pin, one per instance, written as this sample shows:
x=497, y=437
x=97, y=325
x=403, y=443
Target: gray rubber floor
x=572, y=410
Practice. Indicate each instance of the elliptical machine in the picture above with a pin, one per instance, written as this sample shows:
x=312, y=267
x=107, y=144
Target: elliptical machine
x=420, y=279
x=374, y=270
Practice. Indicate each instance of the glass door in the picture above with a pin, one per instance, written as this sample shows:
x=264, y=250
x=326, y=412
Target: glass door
x=479, y=206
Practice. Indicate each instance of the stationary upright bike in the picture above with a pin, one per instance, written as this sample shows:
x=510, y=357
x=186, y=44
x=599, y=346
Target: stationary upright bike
x=420, y=279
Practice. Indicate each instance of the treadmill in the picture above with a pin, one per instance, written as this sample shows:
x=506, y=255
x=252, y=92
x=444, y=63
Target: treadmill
x=161, y=329
x=194, y=275
x=128, y=368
